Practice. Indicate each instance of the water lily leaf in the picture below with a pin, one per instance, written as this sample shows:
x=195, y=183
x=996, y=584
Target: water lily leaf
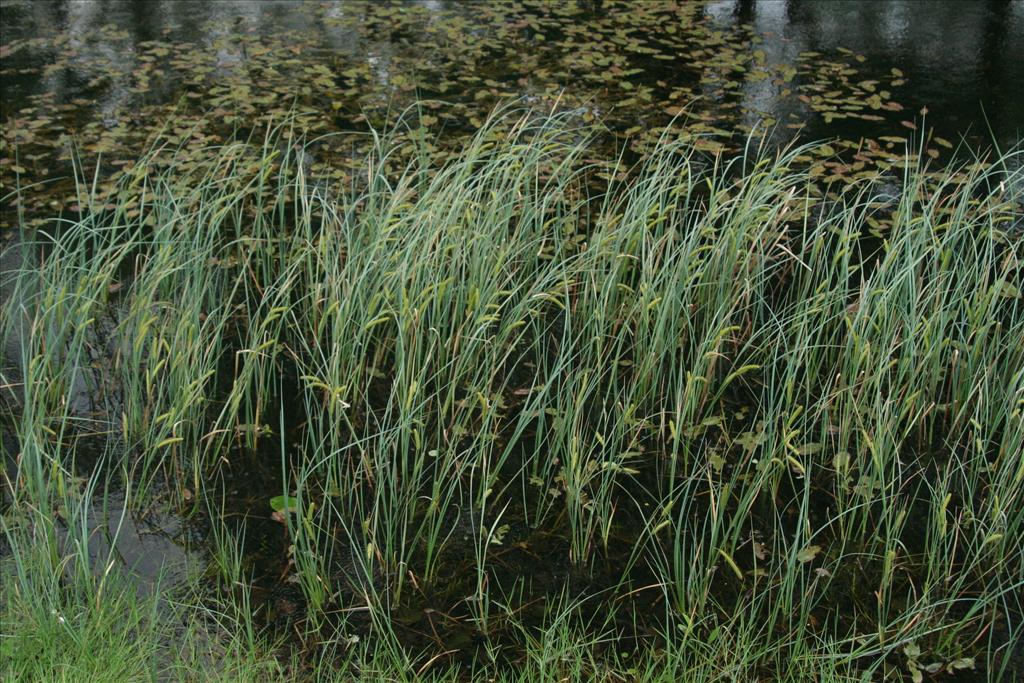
x=284, y=504
x=716, y=461
x=962, y=663
x=808, y=553
x=1008, y=291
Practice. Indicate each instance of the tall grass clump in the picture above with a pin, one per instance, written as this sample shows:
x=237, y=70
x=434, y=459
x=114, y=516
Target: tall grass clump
x=698, y=423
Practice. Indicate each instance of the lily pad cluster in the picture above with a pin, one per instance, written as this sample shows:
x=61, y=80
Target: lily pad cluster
x=87, y=102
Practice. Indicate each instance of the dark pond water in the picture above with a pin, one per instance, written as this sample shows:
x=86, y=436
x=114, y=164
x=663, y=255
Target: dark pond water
x=102, y=75
x=964, y=61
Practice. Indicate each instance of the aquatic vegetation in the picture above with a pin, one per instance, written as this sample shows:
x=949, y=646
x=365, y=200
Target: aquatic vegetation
x=642, y=70
x=521, y=415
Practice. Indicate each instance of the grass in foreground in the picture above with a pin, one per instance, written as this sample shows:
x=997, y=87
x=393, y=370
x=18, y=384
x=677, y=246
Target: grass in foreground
x=700, y=425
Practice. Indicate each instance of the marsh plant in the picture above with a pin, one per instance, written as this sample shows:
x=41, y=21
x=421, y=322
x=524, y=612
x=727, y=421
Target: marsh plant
x=532, y=416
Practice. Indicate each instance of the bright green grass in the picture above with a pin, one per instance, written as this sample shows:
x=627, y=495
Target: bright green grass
x=811, y=452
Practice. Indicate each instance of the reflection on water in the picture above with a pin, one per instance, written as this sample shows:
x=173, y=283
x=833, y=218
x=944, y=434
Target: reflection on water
x=964, y=61
x=100, y=78
x=151, y=549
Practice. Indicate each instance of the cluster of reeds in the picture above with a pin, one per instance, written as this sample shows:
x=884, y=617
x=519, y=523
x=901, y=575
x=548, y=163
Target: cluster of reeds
x=797, y=446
